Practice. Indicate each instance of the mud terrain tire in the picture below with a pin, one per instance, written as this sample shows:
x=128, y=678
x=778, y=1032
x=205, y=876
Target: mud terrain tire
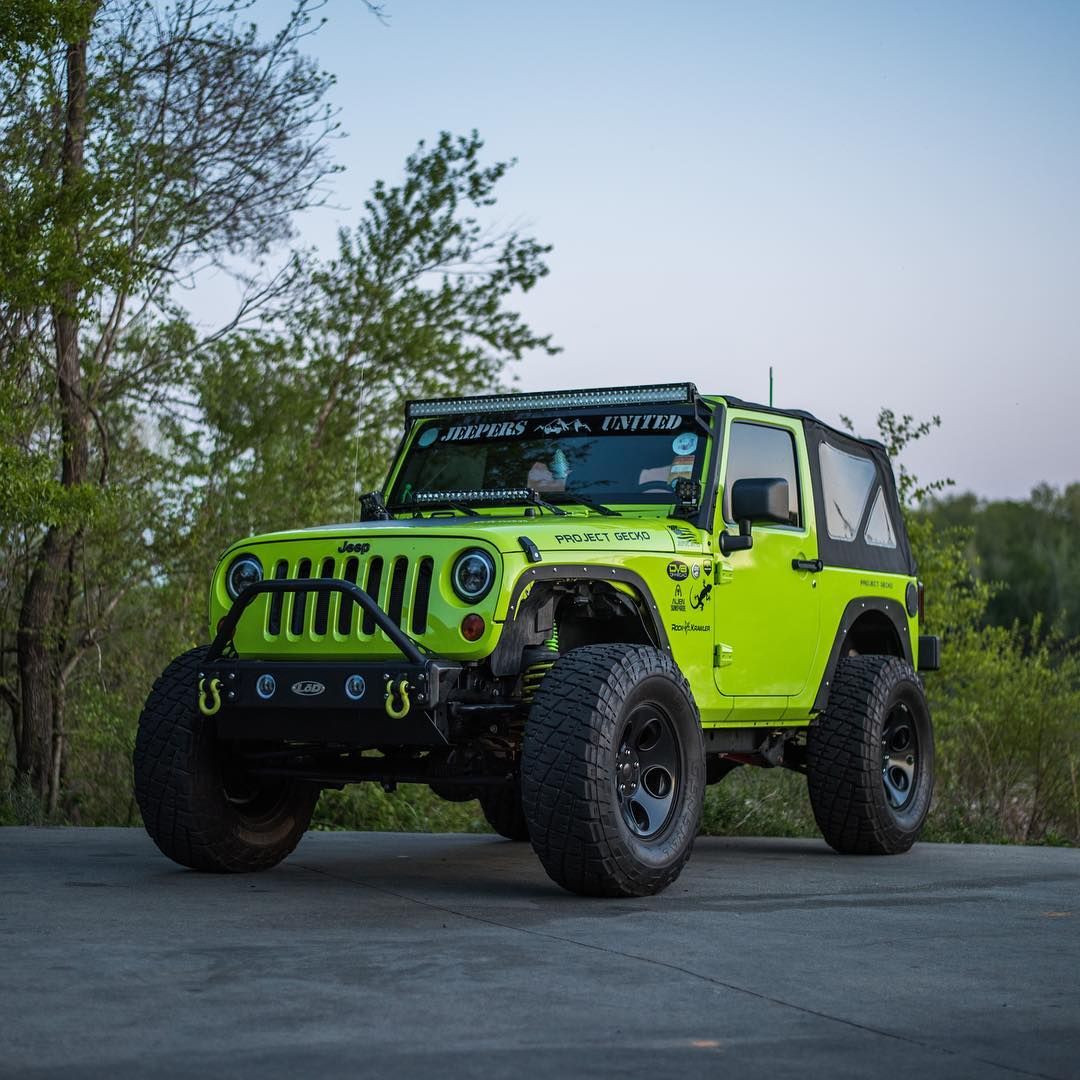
x=870, y=758
x=502, y=809
x=197, y=808
x=613, y=771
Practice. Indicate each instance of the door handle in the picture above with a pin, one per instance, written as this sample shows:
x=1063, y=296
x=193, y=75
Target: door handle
x=815, y=566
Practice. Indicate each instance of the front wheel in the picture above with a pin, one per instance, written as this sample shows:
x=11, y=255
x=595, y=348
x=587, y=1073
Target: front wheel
x=199, y=806
x=613, y=771
x=870, y=758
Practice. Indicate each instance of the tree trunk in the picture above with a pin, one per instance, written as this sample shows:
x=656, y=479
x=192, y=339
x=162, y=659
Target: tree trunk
x=39, y=635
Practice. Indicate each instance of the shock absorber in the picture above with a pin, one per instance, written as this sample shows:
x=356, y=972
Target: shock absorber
x=546, y=655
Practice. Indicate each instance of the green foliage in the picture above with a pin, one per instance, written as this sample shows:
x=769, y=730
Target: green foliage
x=300, y=416
x=411, y=808
x=1007, y=711
x=1006, y=704
x=758, y=802
x=1027, y=552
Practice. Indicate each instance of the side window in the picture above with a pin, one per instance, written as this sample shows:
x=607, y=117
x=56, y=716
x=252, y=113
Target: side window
x=879, y=530
x=756, y=450
x=846, y=481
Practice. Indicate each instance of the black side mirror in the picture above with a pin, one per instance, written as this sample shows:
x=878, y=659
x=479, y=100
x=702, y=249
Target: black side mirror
x=755, y=500
x=760, y=500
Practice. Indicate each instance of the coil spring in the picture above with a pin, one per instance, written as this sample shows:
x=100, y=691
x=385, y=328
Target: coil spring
x=534, y=673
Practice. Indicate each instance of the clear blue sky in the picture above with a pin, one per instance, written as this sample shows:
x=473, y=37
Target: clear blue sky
x=880, y=199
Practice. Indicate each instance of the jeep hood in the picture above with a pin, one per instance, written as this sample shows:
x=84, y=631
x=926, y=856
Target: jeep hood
x=550, y=533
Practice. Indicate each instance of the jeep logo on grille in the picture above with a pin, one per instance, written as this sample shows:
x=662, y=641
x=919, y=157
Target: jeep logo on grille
x=308, y=688
x=361, y=548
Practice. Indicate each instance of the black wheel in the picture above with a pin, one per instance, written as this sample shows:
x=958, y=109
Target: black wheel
x=613, y=771
x=870, y=758
x=502, y=808
x=198, y=804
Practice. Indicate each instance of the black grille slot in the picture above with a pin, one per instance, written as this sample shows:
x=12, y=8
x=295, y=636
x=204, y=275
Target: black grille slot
x=273, y=620
x=344, y=621
x=374, y=583
x=322, y=600
x=397, y=590
x=423, y=594
x=300, y=598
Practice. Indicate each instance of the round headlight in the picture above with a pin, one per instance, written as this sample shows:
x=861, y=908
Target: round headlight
x=244, y=571
x=473, y=575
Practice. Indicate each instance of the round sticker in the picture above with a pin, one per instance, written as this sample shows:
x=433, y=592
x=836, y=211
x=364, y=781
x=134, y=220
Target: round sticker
x=428, y=436
x=686, y=443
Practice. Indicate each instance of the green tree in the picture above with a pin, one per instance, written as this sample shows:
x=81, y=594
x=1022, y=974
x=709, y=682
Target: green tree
x=298, y=418
x=1029, y=550
x=1006, y=703
x=138, y=146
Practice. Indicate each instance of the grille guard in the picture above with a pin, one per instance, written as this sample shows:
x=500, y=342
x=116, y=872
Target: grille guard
x=410, y=649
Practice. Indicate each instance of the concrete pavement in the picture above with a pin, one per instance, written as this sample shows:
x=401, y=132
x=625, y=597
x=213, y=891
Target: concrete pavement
x=370, y=954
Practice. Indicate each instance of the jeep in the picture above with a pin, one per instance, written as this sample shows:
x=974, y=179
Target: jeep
x=579, y=608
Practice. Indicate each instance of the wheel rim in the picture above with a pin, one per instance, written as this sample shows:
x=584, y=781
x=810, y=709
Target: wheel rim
x=900, y=757
x=647, y=771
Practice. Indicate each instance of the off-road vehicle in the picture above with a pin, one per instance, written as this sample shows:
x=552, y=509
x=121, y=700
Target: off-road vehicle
x=579, y=608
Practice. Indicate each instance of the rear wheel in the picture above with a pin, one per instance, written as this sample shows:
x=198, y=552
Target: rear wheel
x=198, y=803
x=502, y=808
x=613, y=771
x=870, y=758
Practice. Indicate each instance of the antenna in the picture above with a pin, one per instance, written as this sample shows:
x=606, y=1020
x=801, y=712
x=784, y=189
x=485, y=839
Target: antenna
x=770, y=386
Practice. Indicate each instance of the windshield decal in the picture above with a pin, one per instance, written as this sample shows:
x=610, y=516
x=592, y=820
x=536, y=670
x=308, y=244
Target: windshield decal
x=508, y=429
x=642, y=422
x=683, y=445
x=558, y=427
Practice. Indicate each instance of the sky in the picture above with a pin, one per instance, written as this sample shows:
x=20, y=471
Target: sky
x=881, y=200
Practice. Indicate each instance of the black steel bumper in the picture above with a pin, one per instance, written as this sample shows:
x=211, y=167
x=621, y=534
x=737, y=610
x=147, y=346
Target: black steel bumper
x=397, y=702
x=353, y=704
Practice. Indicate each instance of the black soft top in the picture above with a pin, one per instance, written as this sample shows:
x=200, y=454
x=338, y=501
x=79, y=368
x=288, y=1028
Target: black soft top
x=854, y=554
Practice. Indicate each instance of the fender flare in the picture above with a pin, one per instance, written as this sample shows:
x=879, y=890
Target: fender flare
x=893, y=610
x=518, y=633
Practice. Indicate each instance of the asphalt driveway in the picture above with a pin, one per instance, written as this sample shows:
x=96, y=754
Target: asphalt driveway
x=371, y=954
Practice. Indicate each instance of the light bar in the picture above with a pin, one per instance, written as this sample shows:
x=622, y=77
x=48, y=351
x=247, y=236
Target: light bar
x=552, y=399
x=475, y=496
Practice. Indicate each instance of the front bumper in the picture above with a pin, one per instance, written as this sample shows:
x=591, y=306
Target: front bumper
x=352, y=704
x=398, y=702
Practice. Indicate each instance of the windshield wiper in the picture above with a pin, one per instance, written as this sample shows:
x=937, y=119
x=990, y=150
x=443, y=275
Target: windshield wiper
x=584, y=500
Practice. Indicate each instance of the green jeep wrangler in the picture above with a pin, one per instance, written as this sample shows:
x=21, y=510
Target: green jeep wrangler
x=580, y=608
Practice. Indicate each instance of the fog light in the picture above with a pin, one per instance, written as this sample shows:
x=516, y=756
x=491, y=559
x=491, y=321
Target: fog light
x=472, y=627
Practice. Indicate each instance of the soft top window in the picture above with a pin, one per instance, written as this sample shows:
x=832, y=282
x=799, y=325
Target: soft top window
x=879, y=530
x=846, y=480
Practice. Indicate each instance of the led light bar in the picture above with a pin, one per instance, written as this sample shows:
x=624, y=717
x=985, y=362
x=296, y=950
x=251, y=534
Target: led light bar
x=475, y=496
x=553, y=399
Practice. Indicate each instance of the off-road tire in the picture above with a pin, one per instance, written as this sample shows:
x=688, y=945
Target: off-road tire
x=181, y=788
x=871, y=698
x=589, y=702
x=502, y=809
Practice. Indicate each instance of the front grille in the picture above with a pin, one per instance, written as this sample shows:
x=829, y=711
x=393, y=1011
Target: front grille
x=400, y=587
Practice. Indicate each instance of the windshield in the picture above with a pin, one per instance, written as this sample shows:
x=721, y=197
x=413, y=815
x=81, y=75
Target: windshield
x=617, y=457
